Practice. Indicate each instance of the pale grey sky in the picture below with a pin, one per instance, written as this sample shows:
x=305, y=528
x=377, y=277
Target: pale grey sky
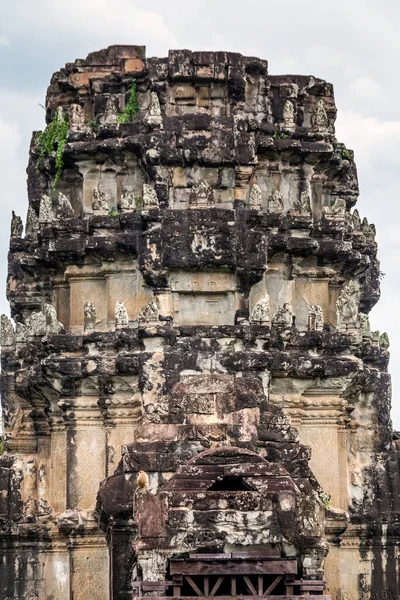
x=354, y=44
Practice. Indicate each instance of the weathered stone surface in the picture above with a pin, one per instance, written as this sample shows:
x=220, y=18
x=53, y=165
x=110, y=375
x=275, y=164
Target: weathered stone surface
x=193, y=380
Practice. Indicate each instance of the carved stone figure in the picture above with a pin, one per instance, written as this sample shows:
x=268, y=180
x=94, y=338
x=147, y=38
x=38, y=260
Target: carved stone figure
x=368, y=229
x=127, y=200
x=347, y=306
x=288, y=115
x=30, y=491
x=110, y=116
x=53, y=326
x=356, y=220
x=149, y=313
x=46, y=210
x=201, y=195
x=364, y=325
x=89, y=316
x=7, y=334
x=100, y=202
x=375, y=337
x=16, y=226
x=302, y=206
x=261, y=312
x=154, y=118
x=21, y=332
x=283, y=316
x=121, y=315
x=315, y=318
x=36, y=324
x=32, y=222
x=337, y=210
x=275, y=202
x=76, y=119
x=255, y=198
x=384, y=341
x=319, y=117
x=17, y=416
x=150, y=199
x=64, y=207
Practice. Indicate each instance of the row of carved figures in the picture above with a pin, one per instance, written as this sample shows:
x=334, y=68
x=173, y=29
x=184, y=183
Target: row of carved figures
x=201, y=195
x=76, y=115
x=43, y=323
x=319, y=118
x=101, y=202
x=348, y=317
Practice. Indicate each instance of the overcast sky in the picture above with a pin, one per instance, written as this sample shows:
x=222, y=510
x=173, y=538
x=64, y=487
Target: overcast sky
x=354, y=44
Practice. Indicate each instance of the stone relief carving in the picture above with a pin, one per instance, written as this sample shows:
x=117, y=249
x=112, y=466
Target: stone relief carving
x=337, y=210
x=288, y=115
x=283, y=316
x=319, y=117
x=20, y=332
x=121, y=315
x=363, y=321
x=32, y=222
x=100, y=201
x=149, y=313
x=110, y=116
x=76, y=116
x=89, y=316
x=53, y=326
x=375, y=337
x=36, y=324
x=17, y=416
x=315, y=318
x=347, y=306
x=201, y=194
x=64, y=207
x=17, y=226
x=154, y=118
x=356, y=220
x=46, y=210
x=368, y=230
x=261, y=312
x=30, y=491
x=149, y=196
x=7, y=334
x=255, y=198
x=302, y=206
x=127, y=200
x=384, y=341
x=275, y=202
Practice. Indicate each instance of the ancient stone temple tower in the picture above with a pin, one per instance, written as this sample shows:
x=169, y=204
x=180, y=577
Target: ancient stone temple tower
x=194, y=403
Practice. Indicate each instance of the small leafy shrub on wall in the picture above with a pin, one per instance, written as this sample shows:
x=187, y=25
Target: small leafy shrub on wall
x=131, y=108
x=54, y=137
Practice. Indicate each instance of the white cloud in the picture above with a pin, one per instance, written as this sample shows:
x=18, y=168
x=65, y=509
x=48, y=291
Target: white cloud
x=369, y=136
x=365, y=88
x=106, y=21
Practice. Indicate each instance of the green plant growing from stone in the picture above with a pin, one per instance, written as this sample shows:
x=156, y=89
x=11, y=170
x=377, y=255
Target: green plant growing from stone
x=94, y=126
x=113, y=213
x=346, y=154
x=138, y=203
x=279, y=135
x=54, y=137
x=130, y=110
